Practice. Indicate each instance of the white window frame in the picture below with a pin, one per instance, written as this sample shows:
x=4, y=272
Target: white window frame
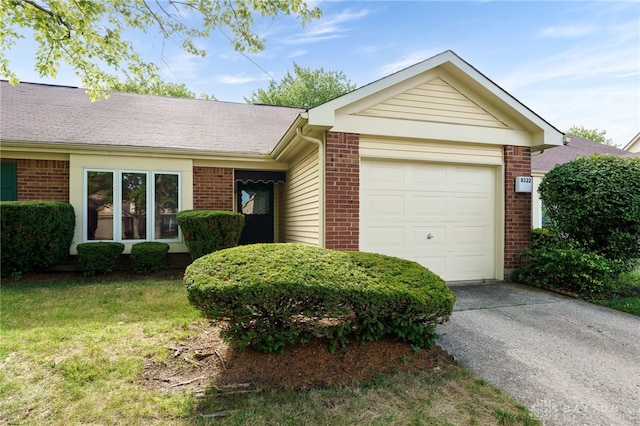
x=117, y=204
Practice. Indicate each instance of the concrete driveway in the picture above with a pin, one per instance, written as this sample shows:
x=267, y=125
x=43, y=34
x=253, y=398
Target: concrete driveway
x=570, y=362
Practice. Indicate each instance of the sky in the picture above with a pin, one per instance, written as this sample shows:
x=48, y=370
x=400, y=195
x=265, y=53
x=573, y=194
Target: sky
x=574, y=63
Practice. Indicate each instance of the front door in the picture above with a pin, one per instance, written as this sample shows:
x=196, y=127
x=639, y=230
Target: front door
x=255, y=202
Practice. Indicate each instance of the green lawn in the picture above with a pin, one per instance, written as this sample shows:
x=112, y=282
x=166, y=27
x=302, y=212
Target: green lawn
x=73, y=353
x=629, y=304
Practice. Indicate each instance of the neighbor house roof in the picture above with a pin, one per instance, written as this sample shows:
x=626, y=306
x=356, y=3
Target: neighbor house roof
x=39, y=113
x=575, y=148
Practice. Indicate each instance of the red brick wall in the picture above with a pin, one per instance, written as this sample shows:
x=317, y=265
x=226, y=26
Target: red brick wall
x=517, y=207
x=342, y=197
x=42, y=180
x=212, y=188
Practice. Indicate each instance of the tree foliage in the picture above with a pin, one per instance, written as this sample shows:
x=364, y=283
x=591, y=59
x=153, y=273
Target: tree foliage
x=90, y=35
x=591, y=134
x=158, y=87
x=305, y=89
x=596, y=201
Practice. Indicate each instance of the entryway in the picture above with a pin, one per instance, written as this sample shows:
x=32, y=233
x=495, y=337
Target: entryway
x=255, y=202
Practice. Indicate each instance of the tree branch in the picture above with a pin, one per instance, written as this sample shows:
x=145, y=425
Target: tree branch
x=54, y=15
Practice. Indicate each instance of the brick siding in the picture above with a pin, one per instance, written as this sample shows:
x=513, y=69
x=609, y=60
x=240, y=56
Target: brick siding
x=517, y=207
x=342, y=191
x=213, y=188
x=41, y=180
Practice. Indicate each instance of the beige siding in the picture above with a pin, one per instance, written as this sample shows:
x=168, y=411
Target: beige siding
x=434, y=101
x=300, y=202
x=422, y=150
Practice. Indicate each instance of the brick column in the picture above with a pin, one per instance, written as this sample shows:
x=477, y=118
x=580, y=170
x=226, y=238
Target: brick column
x=517, y=207
x=42, y=180
x=213, y=188
x=342, y=191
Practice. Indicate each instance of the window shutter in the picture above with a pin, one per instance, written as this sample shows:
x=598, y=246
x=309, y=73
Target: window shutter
x=8, y=181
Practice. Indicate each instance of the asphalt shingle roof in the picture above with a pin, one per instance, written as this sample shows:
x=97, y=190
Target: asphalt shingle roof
x=58, y=114
x=577, y=147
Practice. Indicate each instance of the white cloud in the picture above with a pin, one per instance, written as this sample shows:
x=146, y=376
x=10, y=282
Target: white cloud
x=604, y=61
x=297, y=53
x=367, y=50
x=405, y=62
x=240, y=79
x=594, y=86
x=567, y=31
x=327, y=28
x=182, y=65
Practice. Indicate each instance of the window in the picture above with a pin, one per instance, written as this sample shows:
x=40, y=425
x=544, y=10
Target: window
x=131, y=205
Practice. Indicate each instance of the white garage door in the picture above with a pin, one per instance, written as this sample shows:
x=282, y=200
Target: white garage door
x=442, y=216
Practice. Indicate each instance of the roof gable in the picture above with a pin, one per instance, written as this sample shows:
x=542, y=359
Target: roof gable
x=481, y=101
x=437, y=101
x=634, y=144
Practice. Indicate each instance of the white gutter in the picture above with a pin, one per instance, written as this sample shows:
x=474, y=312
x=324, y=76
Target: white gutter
x=321, y=165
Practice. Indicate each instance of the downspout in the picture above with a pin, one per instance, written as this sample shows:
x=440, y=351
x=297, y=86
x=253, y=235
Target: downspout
x=322, y=183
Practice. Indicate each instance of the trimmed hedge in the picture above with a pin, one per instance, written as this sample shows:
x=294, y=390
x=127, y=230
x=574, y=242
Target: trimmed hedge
x=149, y=256
x=558, y=262
x=36, y=235
x=206, y=231
x=99, y=258
x=272, y=295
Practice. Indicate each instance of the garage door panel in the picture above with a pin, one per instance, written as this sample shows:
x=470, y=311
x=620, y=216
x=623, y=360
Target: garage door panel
x=421, y=175
x=468, y=267
x=465, y=237
x=385, y=176
x=437, y=264
x=470, y=206
x=420, y=236
x=386, y=205
x=428, y=206
x=404, y=202
x=471, y=180
x=387, y=237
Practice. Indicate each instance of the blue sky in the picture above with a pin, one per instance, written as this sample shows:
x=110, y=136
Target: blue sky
x=573, y=63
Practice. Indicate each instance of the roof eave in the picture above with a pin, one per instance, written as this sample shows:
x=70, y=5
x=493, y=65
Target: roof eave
x=84, y=149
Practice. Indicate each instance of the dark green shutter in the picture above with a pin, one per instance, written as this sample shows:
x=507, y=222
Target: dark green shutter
x=8, y=181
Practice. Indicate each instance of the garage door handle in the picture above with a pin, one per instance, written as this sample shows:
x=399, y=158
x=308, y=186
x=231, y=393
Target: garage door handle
x=429, y=236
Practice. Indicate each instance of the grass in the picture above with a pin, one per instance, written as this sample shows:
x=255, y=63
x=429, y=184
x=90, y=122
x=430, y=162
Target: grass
x=631, y=302
x=73, y=353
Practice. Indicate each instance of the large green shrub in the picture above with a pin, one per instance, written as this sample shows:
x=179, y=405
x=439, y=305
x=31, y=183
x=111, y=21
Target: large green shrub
x=206, y=231
x=99, y=257
x=36, y=235
x=149, y=256
x=574, y=269
x=271, y=295
x=596, y=202
x=556, y=261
